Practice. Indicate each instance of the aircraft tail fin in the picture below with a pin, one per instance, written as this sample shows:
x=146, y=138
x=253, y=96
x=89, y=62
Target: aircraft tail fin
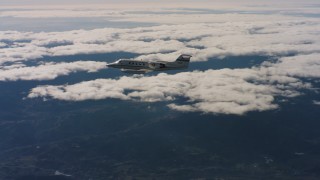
x=184, y=58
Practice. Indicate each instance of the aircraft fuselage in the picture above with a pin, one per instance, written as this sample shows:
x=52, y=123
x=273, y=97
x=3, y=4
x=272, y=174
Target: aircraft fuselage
x=146, y=66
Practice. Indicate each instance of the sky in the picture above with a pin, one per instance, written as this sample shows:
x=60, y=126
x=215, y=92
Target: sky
x=181, y=3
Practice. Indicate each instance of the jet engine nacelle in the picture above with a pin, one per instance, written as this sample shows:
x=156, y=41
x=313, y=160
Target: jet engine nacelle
x=155, y=65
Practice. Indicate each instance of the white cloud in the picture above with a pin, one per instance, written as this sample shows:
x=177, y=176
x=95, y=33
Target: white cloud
x=206, y=91
x=225, y=91
x=300, y=65
x=273, y=37
x=204, y=36
x=2, y=44
x=316, y=102
x=13, y=66
x=198, y=18
x=212, y=91
x=47, y=71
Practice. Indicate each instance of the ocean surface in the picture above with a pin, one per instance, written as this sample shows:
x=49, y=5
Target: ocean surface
x=107, y=139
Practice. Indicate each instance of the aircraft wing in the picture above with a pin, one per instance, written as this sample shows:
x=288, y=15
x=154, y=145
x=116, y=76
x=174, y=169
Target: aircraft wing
x=133, y=71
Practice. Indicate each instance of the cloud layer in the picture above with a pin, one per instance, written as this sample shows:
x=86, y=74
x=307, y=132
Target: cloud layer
x=222, y=91
x=202, y=40
x=213, y=91
x=294, y=41
x=47, y=71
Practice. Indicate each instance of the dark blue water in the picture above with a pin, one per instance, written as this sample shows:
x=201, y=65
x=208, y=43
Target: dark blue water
x=115, y=139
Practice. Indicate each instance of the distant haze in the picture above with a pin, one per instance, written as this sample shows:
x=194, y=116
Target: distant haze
x=163, y=3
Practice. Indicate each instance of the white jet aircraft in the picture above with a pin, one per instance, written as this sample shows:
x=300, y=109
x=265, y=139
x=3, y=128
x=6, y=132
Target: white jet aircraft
x=139, y=66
